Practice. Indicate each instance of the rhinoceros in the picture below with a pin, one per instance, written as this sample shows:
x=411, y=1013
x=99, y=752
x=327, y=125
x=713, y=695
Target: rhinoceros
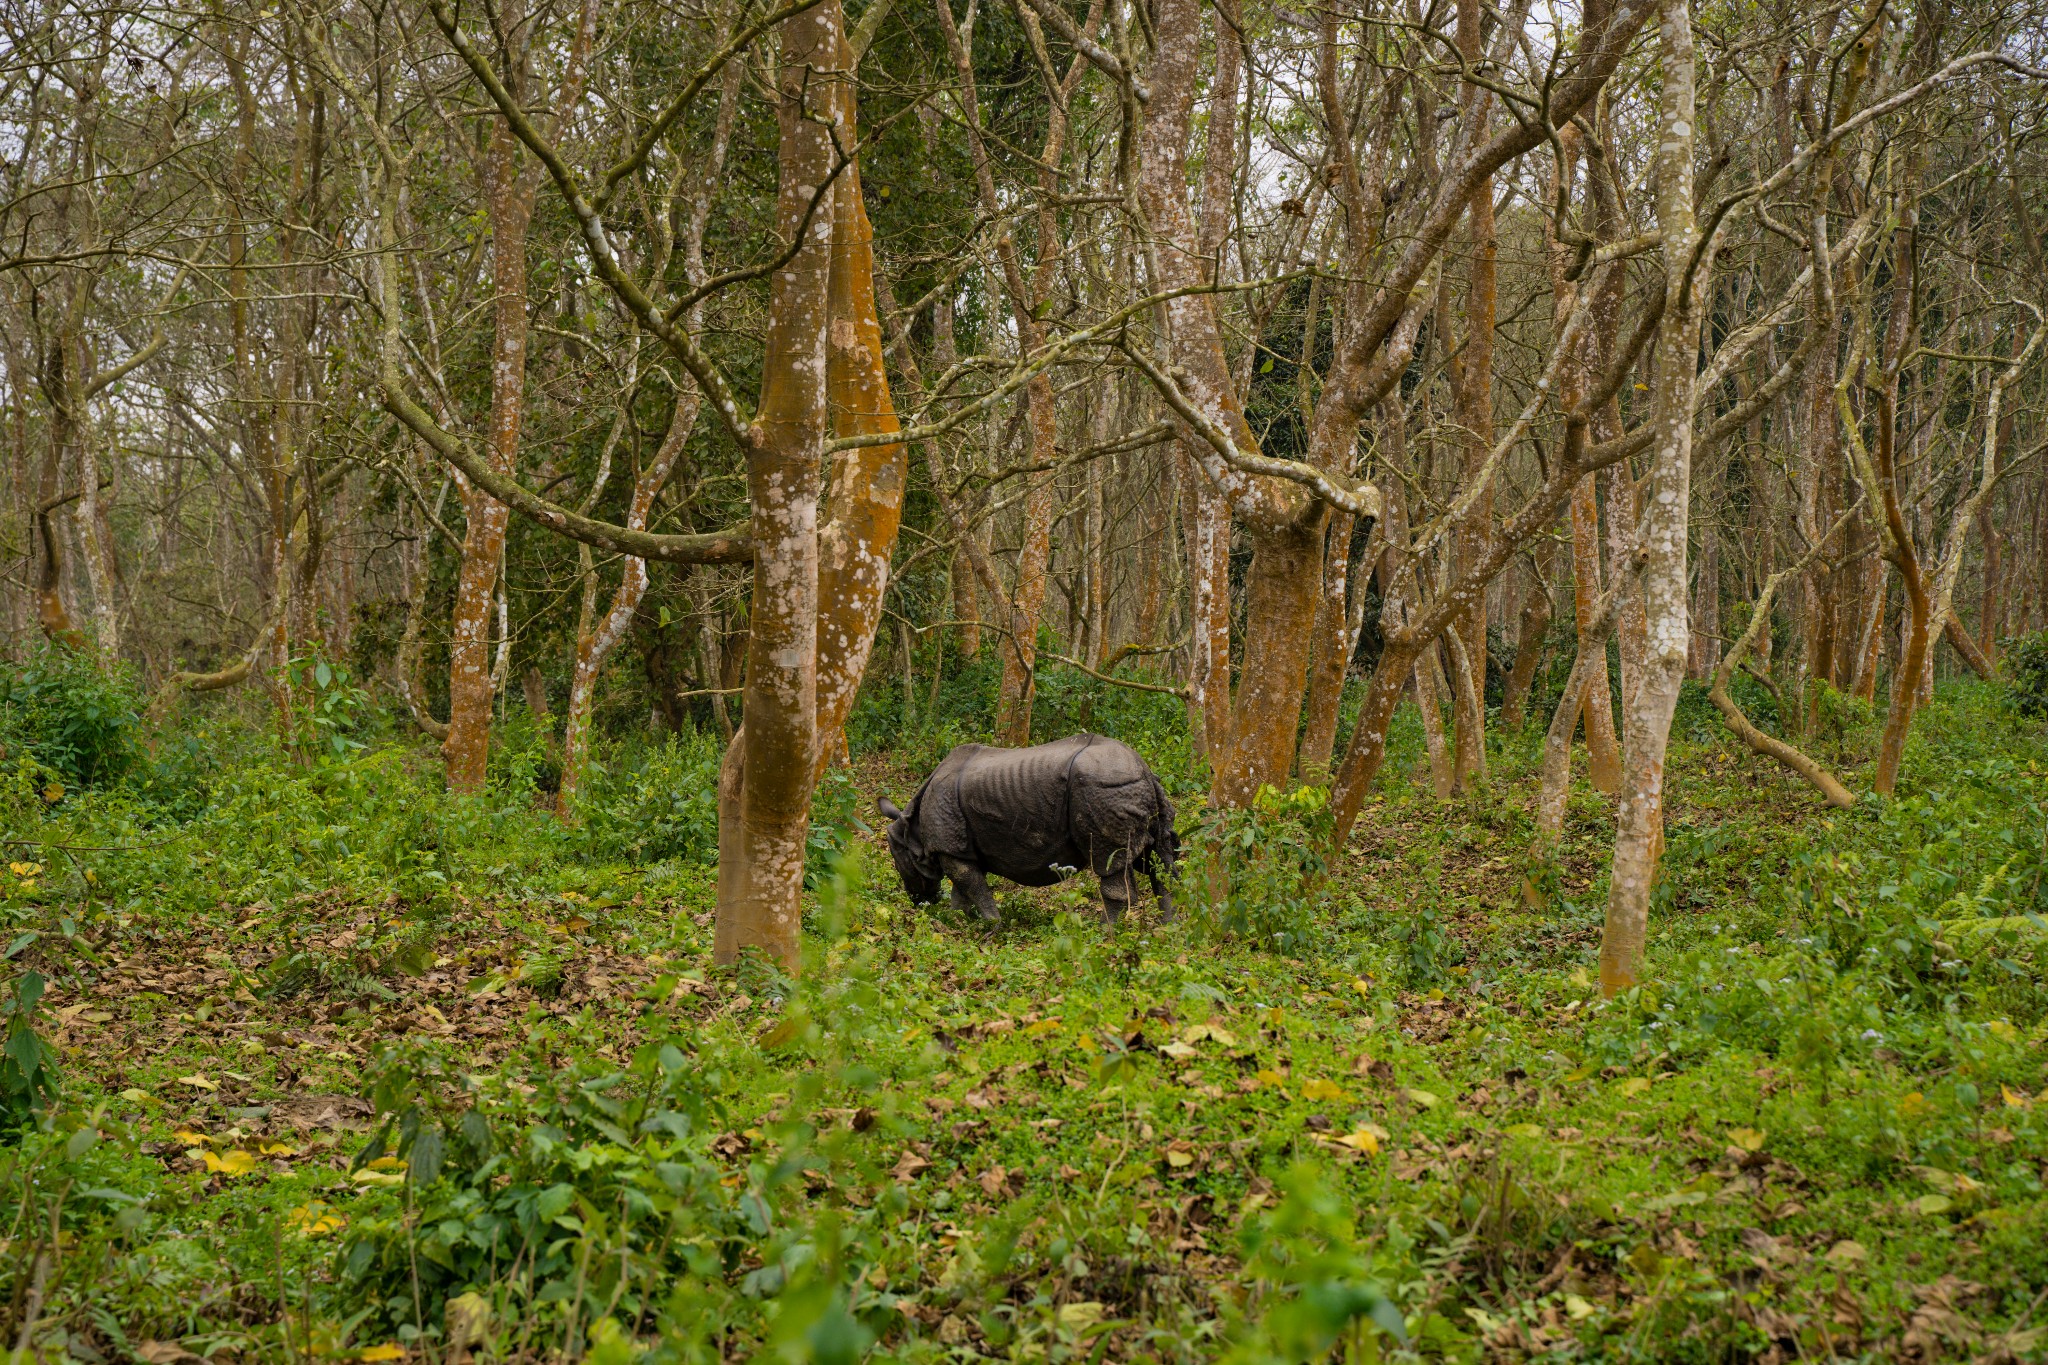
x=1035, y=816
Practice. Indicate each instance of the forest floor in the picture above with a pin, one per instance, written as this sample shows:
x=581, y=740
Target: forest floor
x=537, y=1122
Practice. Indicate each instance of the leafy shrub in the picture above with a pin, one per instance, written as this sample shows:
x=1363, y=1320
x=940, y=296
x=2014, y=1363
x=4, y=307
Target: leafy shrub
x=2026, y=666
x=71, y=714
x=27, y=1081
x=656, y=803
x=1255, y=874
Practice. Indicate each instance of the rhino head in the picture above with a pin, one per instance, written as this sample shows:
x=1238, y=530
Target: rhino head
x=914, y=864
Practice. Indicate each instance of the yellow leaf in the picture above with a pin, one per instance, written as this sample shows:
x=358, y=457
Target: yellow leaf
x=234, y=1163
x=388, y=1351
x=134, y=1096
x=278, y=1149
x=1527, y=1130
x=1931, y=1204
x=1079, y=1317
x=1573, y=1304
x=1634, y=1085
x=1195, y=1033
x=2013, y=1098
x=1913, y=1105
x=1748, y=1139
x=1364, y=1139
x=2002, y=1030
x=191, y=1138
x=1581, y=1074
x=1320, y=1089
x=368, y=1177
x=1423, y=1098
x=314, y=1220
x=197, y=1082
x=1042, y=1027
x=387, y=1163
x=1178, y=1156
x=1362, y=986
x=1178, y=1049
x=24, y=869
x=1269, y=1078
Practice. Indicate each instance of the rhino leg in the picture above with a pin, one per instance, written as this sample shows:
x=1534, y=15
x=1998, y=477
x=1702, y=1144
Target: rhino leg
x=1114, y=875
x=1160, y=892
x=970, y=890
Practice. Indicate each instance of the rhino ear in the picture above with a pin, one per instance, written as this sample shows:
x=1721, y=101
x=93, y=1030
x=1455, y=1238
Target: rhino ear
x=888, y=809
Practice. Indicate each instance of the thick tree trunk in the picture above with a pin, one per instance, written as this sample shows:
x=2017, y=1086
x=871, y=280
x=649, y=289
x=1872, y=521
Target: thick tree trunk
x=1647, y=722
x=1331, y=660
x=508, y=197
x=766, y=783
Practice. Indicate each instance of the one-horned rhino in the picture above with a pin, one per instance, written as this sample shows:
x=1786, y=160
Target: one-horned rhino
x=1034, y=816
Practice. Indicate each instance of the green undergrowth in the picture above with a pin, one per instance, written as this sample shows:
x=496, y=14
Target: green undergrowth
x=320, y=1064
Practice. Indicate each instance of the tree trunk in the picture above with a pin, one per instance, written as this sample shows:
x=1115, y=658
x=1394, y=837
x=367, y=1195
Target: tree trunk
x=1603, y=749
x=766, y=782
x=1475, y=415
x=1647, y=722
x=1530, y=631
x=1331, y=660
x=595, y=640
x=508, y=198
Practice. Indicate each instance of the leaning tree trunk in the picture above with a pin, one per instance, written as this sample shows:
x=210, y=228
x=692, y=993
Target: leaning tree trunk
x=594, y=646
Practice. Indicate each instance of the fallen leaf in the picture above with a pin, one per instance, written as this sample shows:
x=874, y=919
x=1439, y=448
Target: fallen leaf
x=2013, y=1098
x=1178, y=1050
x=1180, y=1154
x=134, y=1096
x=1748, y=1139
x=992, y=1181
x=1423, y=1098
x=191, y=1138
x=1079, y=1317
x=162, y=1352
x=1845, y=1252
x=1913, y=1104
x=910, y=1165
x=369, y=1177
x=314, y=1220
x=1364, y=1139
x=1526, y=1130
x=198, y=1082
x=2002, y=1030
x=1577, y=1307
x=1362, y=986
x=469, y=1317
x=388, y=1351
x=1320, y=1089
x=1634, y=1085
x=1043, y=1027
x=1930, y=1204
x=1267, y=1077
x=233, y=1163
x=277, y=1149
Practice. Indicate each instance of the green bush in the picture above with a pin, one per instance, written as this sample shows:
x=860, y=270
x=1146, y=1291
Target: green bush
x=72, y=715
x=1255, y=875
x=2026, y=666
